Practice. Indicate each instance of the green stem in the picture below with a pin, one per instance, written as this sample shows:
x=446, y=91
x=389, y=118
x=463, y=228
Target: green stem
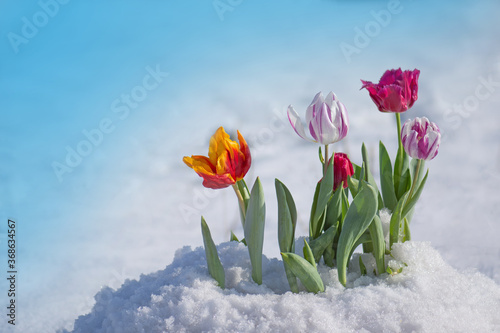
x=400, y=143
x=327, y=160
x=417, y=171
x=240, y=200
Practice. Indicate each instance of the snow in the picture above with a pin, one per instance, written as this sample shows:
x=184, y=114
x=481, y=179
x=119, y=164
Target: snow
x=427, y=296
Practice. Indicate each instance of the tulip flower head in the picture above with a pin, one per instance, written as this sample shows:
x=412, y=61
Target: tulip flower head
x=326, y=119
x=342, y=169
x=396, y=91
x=421, y=138
x=227, y=161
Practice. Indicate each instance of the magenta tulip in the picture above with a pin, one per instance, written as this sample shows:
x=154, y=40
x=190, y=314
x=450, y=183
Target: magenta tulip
x=421, y=138
x=396, y=91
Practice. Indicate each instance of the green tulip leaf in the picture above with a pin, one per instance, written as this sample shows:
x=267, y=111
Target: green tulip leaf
x=213, y=262
x=398, y=167
x=306, y=272
x=416, y=172
x=413, y=171
x=369, y=177
x=233, y=237
x=320, y=244
x=357, y=220
x=413, y=200
x=406, y=231
x=292, y=279
x=378, y=243
x=353, y=185
x=287, y=217
x=357, y=171
x=405, y=183
x=329, y=256
x=368, y=246
x=345, y=207
x=254, y=229
x=312, y=224
x=386, y=178
x=364, y=239
x=364, y=155
x=402, y=177
x=291, y=204
x=396, y=218
x=363, y=174
x=362, y=267
x=308, y=255
x=334, y=208
x=324, y=193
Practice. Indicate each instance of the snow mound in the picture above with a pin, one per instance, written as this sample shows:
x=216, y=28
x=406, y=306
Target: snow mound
x=427, y=296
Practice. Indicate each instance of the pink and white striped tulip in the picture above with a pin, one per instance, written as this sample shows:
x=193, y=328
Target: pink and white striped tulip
x=421, y=138
x=326, y=119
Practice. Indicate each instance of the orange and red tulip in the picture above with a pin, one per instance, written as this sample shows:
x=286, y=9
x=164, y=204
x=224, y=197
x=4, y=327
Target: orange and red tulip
x=227, y=161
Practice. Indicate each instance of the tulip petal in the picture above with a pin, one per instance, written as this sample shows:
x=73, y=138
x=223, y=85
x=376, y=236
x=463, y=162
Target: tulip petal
x=330, y=98
x=434, y=141
x=217, y=181
x=199, y=164
x=342, y=169
x=296, y=123
x=226, y=162
x=391, y=76
x=396, y=91
x=374, y=94
x=323, y=126
x=313, y=131
x=341, y=121
x=326, y=120
x=245, y=159
x=339, y=118
x=204, y=168
x=393, y=99
x=412, y=78
x=314, y=107
x=217, y=147
x=421, y=138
